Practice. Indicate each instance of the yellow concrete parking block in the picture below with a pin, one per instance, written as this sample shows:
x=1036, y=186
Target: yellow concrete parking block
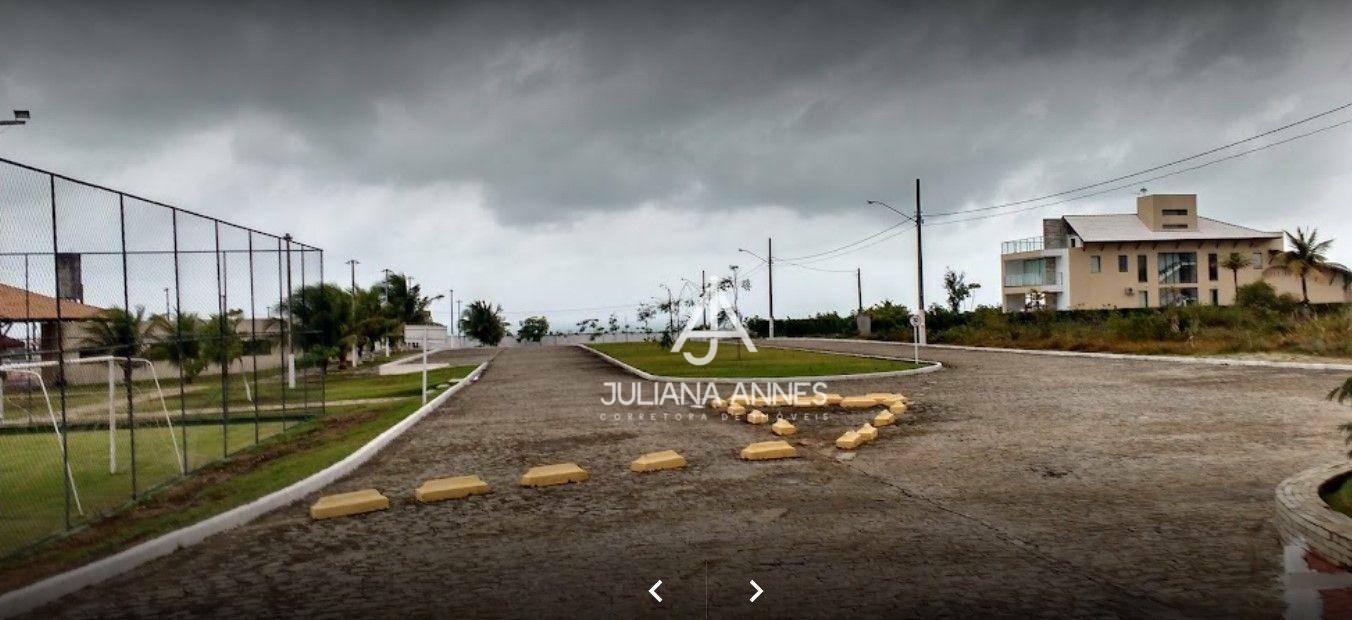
x=546, y=475
x=858, y=402
x=757, y=417
x=347, y=504
x=884, y=418
x=783, y=427
x=886, y=398
x=849, y=441
x=442, y=489
x=867, y=432
x=654, y=461
x=765, y=450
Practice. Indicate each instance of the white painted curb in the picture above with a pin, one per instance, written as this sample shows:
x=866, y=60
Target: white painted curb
x=933, y=367
x=411, y=364
x=1178, y=359
x=38, y=594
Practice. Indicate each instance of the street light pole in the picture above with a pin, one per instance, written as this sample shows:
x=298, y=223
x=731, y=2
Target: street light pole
x=770, y=263
x=920, y=264
x=918, y=218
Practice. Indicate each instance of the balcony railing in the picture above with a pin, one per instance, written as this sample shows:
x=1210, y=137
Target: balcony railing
x=1049, y=278
x=1032, y=244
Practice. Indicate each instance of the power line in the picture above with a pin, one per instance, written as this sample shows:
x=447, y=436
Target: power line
x=852, y=243
x=1154, y=168
x=1154, y=178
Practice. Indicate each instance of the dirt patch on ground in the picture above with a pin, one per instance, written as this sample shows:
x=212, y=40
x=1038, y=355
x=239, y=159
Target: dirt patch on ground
x=1025, y=485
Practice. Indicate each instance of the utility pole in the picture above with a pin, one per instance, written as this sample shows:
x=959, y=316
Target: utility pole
x=770, y=262
x=859, y=287
x=703, y=297
x=920, y=264
x=455, y=318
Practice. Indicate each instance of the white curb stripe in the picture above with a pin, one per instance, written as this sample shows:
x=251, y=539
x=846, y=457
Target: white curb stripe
x=38, y=594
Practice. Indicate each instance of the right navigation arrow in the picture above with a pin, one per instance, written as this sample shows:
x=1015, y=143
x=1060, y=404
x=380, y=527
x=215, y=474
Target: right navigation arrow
x=758, y=591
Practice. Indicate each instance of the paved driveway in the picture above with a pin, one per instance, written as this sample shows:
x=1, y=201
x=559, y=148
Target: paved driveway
x=1026, y=485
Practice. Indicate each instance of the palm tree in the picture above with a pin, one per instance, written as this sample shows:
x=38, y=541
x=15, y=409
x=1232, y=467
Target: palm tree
x=117, y=332
x=1234, y=262
x=177, y=340
x=483, y=321
x=1307, y=256
x=403, y=302
x=221, y=341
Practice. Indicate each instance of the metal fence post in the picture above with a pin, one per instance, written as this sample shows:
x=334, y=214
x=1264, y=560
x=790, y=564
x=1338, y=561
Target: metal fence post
x=253, y=335
x=60, y=351
x=324, y=369
x=178, y=344
x=224, y=360
x=127, y=352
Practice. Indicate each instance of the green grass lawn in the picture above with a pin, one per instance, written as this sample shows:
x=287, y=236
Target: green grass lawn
x=733, y=361
x=32, y=495
x=32, y=491
x=1340, y=496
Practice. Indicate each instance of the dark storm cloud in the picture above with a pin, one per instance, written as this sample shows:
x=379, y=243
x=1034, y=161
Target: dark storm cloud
x=559, y=109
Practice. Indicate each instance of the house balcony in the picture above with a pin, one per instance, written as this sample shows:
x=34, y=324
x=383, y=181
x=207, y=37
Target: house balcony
x=1032, y=244
x=1048, y=278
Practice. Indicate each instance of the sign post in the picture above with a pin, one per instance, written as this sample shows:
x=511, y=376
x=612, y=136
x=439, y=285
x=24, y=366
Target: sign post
x=917, y=324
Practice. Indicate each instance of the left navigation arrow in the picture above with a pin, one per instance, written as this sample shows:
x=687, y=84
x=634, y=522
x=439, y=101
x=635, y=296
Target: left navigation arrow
x=653, y=590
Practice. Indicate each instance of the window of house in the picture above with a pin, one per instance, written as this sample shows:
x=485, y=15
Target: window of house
x=1143, y=298
x=1142, y=274
x=1257, y=260
x=1175, y=226
x=1073, y=243
x=1175, y=211
x=1213, y=270
x=1178, y=268
x=1122, y=263
x=1178, y=296
x=1215, y=297
x=1095, y=264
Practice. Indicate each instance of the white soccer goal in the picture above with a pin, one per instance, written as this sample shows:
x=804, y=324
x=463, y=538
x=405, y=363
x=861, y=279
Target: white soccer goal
x=114, y=400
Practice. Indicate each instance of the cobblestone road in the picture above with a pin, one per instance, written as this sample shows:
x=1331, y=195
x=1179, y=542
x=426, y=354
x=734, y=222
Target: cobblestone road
x=1026, y=485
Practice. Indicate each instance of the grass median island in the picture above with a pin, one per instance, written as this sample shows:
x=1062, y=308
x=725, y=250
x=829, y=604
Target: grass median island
x=283, y=457
x=766, y=362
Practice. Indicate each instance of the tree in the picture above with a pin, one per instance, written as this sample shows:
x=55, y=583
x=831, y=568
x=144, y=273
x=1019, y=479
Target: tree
x=321, y=316
x=221, y=342
x=483, y=322
x=370, y=321
x=403, y=302
x=1234, y=262
x=958, y=289
x=532, y=329
x=1306, y=256
x=1342, y=394
x=178, y=341
x=117, y=332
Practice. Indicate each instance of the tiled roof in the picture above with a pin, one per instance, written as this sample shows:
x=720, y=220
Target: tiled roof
x=1129, y=227
x=17, y=304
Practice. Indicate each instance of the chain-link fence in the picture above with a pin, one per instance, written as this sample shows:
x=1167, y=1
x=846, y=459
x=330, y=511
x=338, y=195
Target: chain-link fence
x=139, y=342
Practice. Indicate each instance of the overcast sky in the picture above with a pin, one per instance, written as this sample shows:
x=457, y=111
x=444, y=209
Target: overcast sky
x=565, y=156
